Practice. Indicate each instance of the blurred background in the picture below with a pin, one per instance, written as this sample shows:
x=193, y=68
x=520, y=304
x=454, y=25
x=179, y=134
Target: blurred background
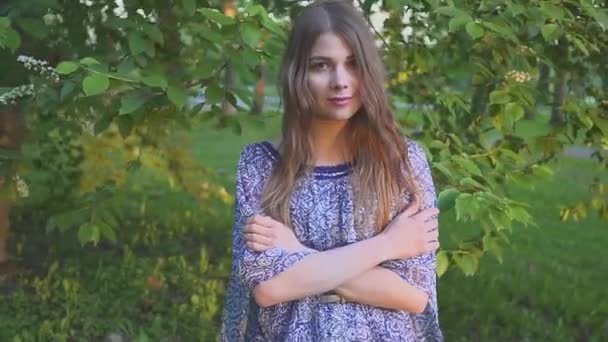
x=121, y=124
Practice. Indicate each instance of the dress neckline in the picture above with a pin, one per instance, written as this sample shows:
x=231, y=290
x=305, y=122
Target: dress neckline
x=321, y=171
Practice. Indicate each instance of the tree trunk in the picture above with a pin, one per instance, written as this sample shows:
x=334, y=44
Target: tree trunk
x=12, y=134
x=559, y=95
x=229, y=74
x=260, y=91
x=542, y=87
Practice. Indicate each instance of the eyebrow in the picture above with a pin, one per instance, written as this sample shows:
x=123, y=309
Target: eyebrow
x=325, y=58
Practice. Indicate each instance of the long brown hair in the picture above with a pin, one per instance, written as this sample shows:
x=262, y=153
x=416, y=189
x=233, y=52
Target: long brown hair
x=381, y=166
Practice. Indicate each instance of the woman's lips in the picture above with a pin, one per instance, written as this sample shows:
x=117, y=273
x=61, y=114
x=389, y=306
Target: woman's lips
x=340, y=101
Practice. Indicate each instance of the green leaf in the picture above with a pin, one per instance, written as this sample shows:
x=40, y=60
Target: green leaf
x=89, y=61
x=457, y=22
x=468, y=165
x=513, y=113
x=107, y=231
x=11, y=40
x=154, y=33
x=475, y=30
x=451, y=11
x=599, y=14
x=251, y=34
x=581, y=43
x=132, y=102
x=214, y=94
x=95, y=84
x=256, y=10
x=125, y=125
x=552, y=11
x=88, y=232
x=137, y=44
x=516, y=8
x=67, y=89
x=438, y=144
x=447, y=199
x=491, y=245
x=542, y=171
x=216, y=16
x=469, y=182
x=520, y=214
x=499, y=97
x=442, y=263
x=501, y=27
x=550, y=32
x=102, y=124
x=211, y=35
x=66, y=68
x=466, y=206
x=500, y=219
x=69, y=219
x=177, y=96
x=600, y=121
x=155, y=80
x=274, y=28
x=468, y=263
x=189, y=7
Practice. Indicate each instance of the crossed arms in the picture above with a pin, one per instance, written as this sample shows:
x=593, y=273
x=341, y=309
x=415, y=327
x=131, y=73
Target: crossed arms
x=383, y=271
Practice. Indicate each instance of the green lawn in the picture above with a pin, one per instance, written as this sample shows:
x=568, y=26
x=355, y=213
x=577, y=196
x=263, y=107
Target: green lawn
x=551, y=286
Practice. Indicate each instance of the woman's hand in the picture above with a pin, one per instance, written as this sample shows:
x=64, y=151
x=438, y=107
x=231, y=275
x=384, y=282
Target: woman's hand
x=262, y=233
x=413, y=232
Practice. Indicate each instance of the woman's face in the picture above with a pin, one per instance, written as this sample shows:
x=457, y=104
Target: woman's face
x=333, y=78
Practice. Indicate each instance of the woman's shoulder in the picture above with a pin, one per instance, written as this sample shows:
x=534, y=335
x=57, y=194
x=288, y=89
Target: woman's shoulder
x=413, y=147
x=257, y=160
x=261, y=151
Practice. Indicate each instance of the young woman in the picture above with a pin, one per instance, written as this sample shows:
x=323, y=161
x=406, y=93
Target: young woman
x=335, y=227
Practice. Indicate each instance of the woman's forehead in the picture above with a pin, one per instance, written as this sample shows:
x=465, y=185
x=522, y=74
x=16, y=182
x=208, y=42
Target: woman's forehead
x=330, y=46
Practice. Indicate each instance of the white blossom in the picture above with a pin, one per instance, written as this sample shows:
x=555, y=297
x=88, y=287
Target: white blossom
x=22, y=188
x=11, y=96
x=39, y=66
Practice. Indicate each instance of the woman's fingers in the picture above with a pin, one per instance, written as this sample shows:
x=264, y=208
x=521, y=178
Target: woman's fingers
x=265, y=221
x=259, y=229
x=432, y=246
x=257, y=246
x=426, y=214
x=257, y=238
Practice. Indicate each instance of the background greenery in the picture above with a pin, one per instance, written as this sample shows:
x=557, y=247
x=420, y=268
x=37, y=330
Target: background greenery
x=135, y=125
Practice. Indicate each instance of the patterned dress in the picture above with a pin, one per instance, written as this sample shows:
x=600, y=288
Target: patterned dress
x=322, y=218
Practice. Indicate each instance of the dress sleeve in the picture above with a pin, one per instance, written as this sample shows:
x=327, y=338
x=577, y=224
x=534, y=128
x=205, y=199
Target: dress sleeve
x=255, y=267
x=420, y=271
x=249, y=268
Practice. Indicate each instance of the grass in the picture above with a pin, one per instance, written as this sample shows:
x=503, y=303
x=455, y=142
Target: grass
x=551, y=285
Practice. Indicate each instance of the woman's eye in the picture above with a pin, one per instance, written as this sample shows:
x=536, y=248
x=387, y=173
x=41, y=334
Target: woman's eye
x=320, y=66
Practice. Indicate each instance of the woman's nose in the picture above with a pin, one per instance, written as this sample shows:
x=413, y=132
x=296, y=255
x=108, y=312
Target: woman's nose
x=340, y=78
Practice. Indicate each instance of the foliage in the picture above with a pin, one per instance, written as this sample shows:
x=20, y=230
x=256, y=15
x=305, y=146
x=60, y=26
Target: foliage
x=109, y=164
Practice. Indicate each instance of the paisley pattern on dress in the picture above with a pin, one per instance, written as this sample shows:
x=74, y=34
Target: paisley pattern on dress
x=323, y=218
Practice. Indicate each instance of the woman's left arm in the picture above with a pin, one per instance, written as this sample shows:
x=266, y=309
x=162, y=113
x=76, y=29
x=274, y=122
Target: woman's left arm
x=410, y=284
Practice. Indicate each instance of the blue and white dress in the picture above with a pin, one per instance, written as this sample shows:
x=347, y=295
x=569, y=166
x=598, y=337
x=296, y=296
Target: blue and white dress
x=322, y=218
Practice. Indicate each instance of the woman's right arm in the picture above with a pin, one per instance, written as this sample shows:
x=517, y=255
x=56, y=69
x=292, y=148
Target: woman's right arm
x=319, y=272
x=323, y=271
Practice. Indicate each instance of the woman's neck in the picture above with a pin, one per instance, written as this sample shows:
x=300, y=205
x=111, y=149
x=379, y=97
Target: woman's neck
x=330, y=143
